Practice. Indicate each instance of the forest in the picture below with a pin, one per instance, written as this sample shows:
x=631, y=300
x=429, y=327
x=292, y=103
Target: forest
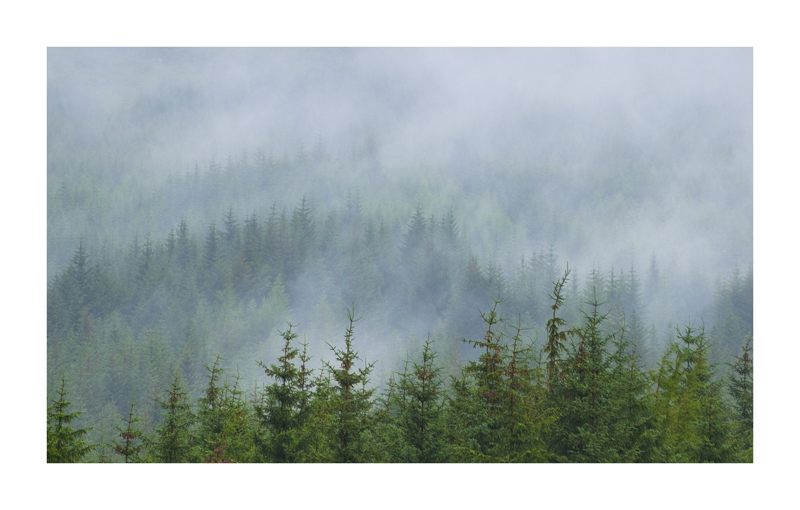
x=579, y=291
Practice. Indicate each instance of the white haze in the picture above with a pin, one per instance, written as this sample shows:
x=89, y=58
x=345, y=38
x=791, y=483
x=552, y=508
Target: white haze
x=585, y=117
x=687, y=110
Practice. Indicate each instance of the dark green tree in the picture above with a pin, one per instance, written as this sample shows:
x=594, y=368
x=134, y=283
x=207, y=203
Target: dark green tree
x=285, y=403
x=740, y=386
x=351, y=400
x=416, y=400
x=64, y=443
x=556, y=337
x=172, y=438
x=130, y=445
x=583, y=393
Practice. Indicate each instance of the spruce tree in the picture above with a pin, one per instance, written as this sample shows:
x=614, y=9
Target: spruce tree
x=740, y=386
x=527, y=418
x=417, y=401
x=64, y=443
x=284, y=405
x=223, y=422
x=171, y=441
x=583, y=394
x=556, y=337
x=689, y=404
x=350, y=404
x=130, y=445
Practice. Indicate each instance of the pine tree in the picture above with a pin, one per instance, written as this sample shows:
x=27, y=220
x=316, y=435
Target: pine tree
x=301, y=239
x=555, y=336
x=690, y=406
x=415, y=236
x=631, y=428
x=496, y=411
x=284, y=405
x=417, y=400
x=171, y=441
x=351, y=405
x=211, y=277
x=527, y=420
x=740, y=386
x=476, y=408
x=584, y=396
x=64, y=443
x=129, y=447
x=210, y=413
x=223, y=421
x=231, y=234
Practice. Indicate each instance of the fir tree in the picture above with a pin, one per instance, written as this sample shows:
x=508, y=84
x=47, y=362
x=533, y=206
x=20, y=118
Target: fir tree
x=555, y=336
x=285, y=403
x=351, y=405
x=740, y=386
x=223, y=423
x=64, y=443
x=129, y=447
x=417, y=399
x=584, y=396
x=172, y=437
x=689, y=403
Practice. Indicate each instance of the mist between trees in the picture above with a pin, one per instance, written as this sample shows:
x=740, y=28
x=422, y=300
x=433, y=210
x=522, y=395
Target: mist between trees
x=215, y=288
x=161, y=312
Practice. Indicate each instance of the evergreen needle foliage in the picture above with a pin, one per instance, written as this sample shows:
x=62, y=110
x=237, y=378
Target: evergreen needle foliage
x=64, y=443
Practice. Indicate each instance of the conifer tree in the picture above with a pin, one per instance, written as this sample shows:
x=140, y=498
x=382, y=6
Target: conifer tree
x=740, y=386
x=631, y=411
x=129, y=447
x=171, y=441
x=584, y=396
x=477, y=406
x=496, y=412
x=223, y=423
x=64, y=443
x=555, y=336
x=417, y=399
x=351, y=405
x=285, y=403
x=653, y=285
x=210, y=410
x=211, y=277
x=231, y=235
x=185, y=246
x=526, y=416
x=690, y=405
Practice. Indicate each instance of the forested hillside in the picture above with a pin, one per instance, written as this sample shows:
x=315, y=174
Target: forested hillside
x=328, y=294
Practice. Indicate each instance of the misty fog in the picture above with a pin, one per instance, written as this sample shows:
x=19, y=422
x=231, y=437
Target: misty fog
x=457, y=116
x=618, y=163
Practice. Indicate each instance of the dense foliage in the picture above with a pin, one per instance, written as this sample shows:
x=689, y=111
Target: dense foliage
x=585, y=394
x=589, y=372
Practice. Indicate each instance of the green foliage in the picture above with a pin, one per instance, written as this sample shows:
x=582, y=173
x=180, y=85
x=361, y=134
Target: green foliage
x=172, y=437
x=740, y=386
x=496, y=412
x=415, y=406
x=130, y=445
x=556, y=337
x=350, y=402
x=123, y=324
x=223, y=431
x=284, y=405
x=690, y=406
x=64, y=443
x=584, y=394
